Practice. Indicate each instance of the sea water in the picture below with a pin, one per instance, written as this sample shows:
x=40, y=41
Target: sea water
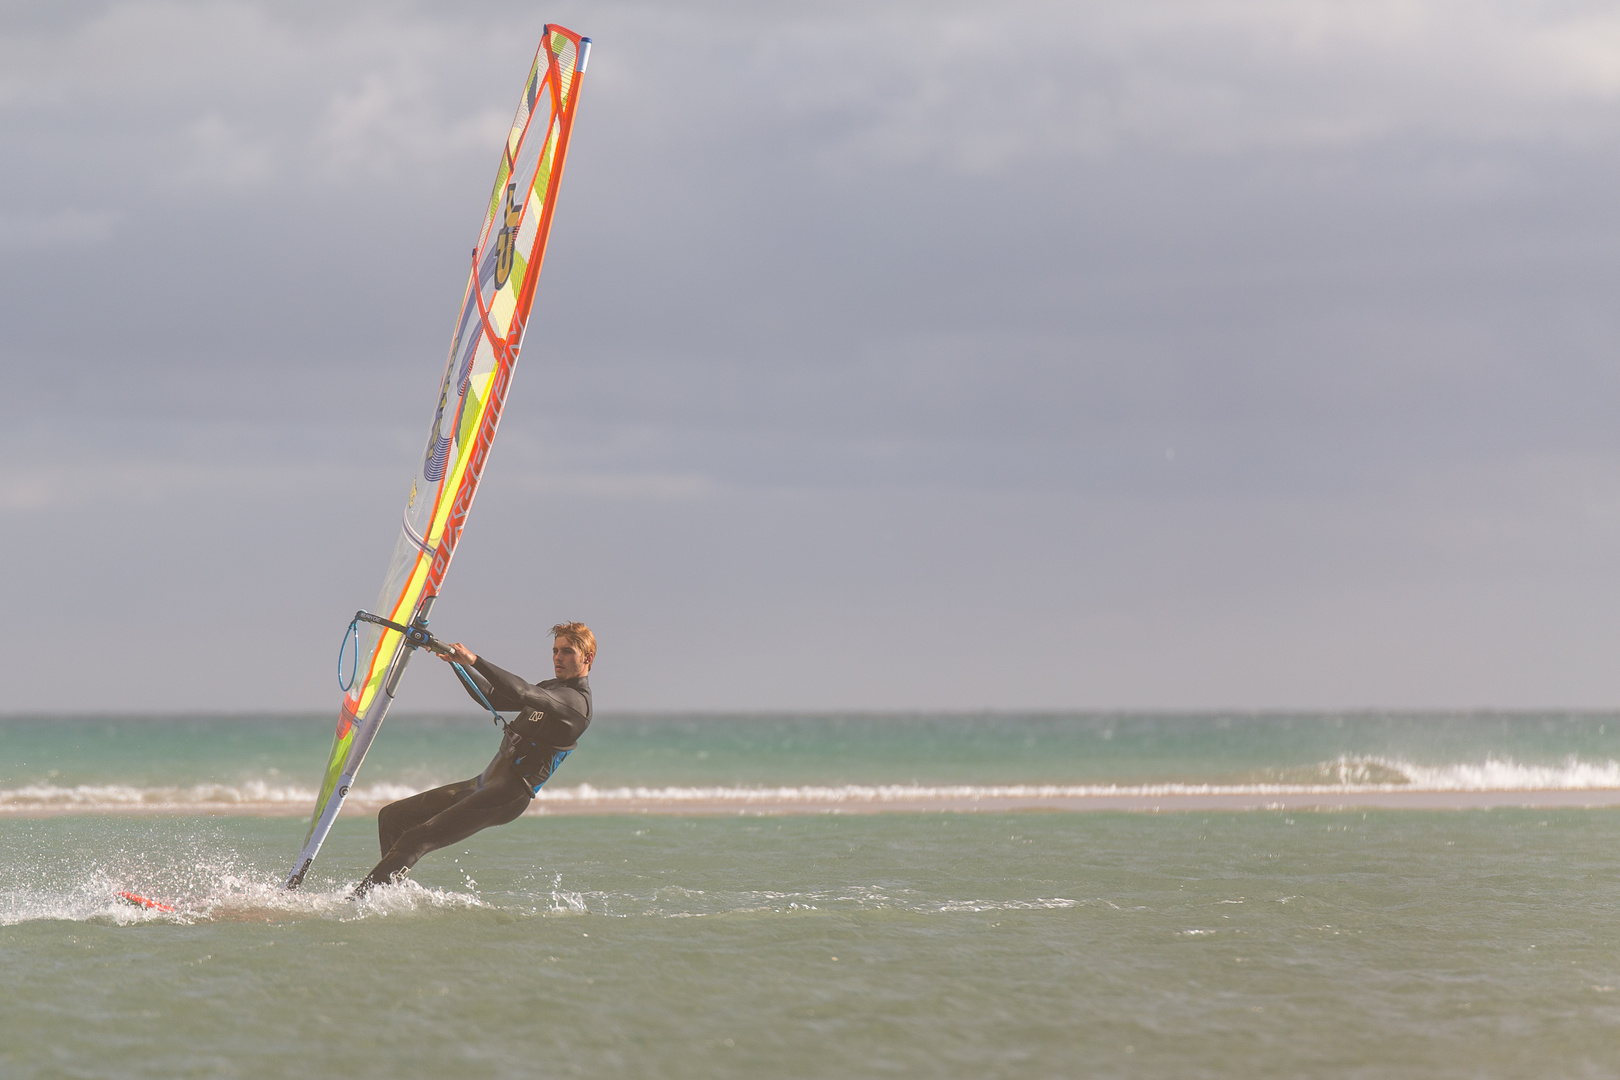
x=1444, y=943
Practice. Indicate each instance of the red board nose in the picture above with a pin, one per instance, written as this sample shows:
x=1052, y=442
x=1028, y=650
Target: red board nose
x=141, y=901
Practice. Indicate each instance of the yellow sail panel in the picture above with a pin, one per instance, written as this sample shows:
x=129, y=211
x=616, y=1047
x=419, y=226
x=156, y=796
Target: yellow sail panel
x=501, y=311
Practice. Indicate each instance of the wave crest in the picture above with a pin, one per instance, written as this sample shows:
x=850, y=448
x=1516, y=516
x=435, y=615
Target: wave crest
x=1347, y=774
x=250, y=794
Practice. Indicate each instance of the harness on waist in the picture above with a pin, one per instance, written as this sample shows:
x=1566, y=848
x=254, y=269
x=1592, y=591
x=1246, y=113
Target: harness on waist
x=536, y=768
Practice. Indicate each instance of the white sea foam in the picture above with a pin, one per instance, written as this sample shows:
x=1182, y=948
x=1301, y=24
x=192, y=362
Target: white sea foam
x=1501, y=774
x=200, y=798
x=1343, y=775
x=226, y=898
x=1352, y=775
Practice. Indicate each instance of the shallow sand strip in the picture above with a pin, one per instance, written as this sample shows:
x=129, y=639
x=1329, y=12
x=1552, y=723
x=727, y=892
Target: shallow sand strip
x=768, y=802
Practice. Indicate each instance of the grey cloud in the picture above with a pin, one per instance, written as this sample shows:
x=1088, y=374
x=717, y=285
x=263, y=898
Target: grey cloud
x=1234, y=352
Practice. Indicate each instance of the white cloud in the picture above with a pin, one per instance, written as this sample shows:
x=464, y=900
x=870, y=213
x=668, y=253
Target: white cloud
x=255, y=95
x=364, y=90
x=977, y=91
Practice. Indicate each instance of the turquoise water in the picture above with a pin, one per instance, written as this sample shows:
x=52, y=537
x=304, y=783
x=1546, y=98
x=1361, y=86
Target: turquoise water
x=118, y=758
x=1250, y=944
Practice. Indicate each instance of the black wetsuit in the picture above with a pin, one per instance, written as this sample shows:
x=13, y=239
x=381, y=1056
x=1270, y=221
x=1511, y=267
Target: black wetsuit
x=552, y=716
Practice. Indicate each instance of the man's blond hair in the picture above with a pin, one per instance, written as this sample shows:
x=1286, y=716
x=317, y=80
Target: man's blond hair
x=579, y=636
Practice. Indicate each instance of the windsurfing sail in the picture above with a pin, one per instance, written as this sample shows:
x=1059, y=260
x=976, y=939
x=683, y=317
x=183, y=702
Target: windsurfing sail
x=477, y=375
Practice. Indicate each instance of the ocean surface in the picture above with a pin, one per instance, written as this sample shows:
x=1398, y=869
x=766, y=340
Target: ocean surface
x=852, y=941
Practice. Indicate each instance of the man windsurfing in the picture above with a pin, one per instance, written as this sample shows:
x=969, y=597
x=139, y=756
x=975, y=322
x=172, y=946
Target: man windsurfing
x=551, y=717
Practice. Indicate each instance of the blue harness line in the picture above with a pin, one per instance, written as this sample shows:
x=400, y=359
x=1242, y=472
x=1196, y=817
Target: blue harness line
x=467, y=681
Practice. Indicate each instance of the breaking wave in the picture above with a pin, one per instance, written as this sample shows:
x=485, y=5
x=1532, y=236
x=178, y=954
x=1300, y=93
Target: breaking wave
x=254, y=796
x=1343, y=775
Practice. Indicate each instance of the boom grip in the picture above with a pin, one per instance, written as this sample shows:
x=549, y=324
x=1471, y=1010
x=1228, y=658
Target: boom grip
x=416, y=636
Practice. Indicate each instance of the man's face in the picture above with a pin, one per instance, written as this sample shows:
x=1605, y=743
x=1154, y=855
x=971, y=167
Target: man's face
x=567, y=661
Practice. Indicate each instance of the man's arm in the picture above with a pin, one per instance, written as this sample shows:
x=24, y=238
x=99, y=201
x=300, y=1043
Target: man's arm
x=460, y=654
x=518, y=689
x=564, y=706
x=479, y=681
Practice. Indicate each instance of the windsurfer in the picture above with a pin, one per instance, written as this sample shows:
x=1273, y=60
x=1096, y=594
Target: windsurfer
x=551, y=717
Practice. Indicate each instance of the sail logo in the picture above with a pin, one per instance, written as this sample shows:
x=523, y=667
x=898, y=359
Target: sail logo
x=506, y=240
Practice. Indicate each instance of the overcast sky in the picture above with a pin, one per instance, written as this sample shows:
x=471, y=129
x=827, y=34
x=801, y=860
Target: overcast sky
x=1236, y=354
